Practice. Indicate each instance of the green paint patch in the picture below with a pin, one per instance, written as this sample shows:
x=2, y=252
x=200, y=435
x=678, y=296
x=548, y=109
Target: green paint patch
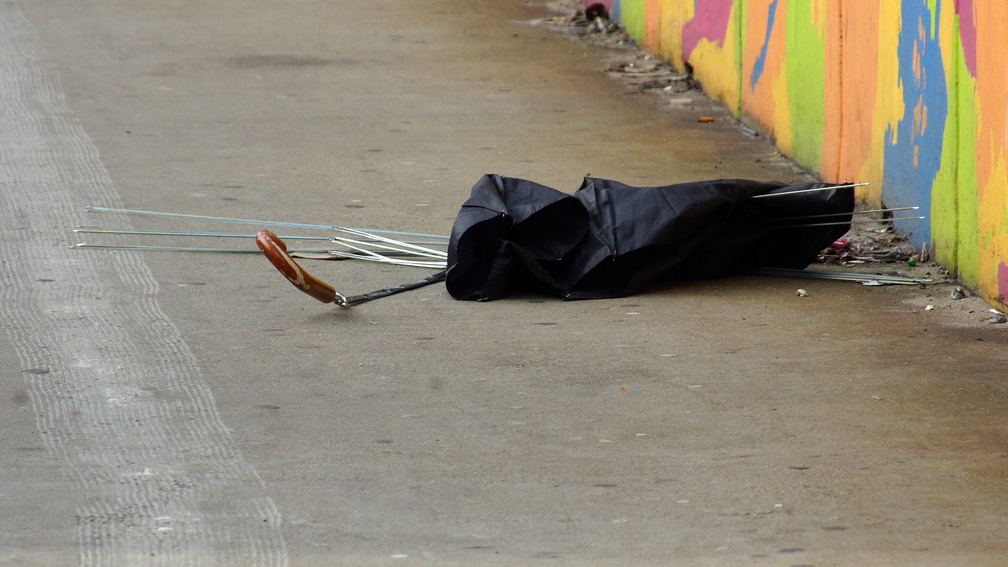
x=632, y=18
x=945, y=198
x=806, y=83
x=967, y=199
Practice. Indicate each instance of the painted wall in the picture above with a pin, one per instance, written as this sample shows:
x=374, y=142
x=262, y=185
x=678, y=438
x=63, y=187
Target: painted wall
x=908, y=95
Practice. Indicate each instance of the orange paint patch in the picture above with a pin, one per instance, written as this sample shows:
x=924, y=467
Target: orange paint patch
x=859, y=86
x=991, y=90
x=652, y=25
x=761, y=101
x=831, y=23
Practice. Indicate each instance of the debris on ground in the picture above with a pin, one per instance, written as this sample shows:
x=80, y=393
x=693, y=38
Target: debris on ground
x=873, y=248
x=640, y=71
x=587, y=26
x=873, y=243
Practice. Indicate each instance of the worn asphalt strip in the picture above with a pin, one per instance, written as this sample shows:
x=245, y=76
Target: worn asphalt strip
x=118, y=396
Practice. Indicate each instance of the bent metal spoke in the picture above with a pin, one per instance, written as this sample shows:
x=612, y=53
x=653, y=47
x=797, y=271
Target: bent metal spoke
x=229, y=220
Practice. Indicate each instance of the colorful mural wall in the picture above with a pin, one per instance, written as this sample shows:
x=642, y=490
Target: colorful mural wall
x=908, y=95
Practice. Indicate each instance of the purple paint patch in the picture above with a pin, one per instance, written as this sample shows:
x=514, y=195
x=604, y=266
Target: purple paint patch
x=710, y=22
x=1003, y=282
x=967, y=33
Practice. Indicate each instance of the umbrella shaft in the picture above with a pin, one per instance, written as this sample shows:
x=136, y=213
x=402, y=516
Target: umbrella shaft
x=344, y=301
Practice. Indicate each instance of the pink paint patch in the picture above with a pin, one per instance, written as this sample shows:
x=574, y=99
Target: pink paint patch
x=1003, y=282
x=710, y=22
x=967, y=33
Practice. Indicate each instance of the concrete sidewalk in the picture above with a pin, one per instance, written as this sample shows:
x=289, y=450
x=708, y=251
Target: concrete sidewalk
x=172, y=408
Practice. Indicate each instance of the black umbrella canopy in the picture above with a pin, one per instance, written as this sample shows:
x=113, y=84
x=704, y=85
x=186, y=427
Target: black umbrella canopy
x=609, y=239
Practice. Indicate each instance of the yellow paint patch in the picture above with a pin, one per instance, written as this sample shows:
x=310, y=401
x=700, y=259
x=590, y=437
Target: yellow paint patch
x=674, y=15
x=782, y=109
x=715, y=68
x=992, y=212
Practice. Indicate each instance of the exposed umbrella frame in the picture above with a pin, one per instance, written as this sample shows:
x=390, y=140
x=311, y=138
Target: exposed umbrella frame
x=423, y=250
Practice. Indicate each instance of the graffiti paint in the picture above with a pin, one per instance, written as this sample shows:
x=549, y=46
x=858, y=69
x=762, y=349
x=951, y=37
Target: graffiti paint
x=914, y=146
x=905, y=94
x=760, y=63
x=967, y=33
x=711, y=46
x=710, y=23
x=1002, y=282
x=804, y=49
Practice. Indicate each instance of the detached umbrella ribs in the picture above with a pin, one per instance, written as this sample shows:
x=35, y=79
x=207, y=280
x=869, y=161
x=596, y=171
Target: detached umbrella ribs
x=609, y=239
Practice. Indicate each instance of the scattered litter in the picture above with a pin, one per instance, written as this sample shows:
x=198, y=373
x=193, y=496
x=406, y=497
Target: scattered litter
x=802, y=293
x=866, y=243
x=876, y=397
x=642, y=74
x=603, y=25
x=998, y=318
x=929, y=308
x=705, y=119
x=957, y=293
x=911, y=261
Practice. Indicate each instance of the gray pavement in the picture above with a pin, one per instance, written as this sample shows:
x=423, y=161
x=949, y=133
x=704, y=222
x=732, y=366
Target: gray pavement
x=186, y=409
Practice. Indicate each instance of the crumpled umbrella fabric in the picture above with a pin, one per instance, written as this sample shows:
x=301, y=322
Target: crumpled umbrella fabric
x=608, y=239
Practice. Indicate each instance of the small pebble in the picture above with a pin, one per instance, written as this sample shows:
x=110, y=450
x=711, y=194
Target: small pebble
x=957, y=293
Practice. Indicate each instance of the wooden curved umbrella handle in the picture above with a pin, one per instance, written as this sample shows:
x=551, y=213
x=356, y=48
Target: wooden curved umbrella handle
x=275, y=249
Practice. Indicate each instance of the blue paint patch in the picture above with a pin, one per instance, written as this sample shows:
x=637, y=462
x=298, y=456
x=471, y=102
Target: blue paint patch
x=913, y=152
x=757, y=70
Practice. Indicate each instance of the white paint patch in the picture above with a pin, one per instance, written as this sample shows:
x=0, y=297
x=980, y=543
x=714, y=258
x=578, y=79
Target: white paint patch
x=92, y=321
